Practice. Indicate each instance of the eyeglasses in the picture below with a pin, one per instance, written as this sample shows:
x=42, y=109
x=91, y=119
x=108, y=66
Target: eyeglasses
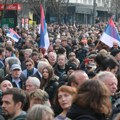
x=29, y=65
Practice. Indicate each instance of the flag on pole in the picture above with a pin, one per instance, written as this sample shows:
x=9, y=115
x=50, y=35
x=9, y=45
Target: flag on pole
x=44, y=39
x=13, y=35
x=110, y=34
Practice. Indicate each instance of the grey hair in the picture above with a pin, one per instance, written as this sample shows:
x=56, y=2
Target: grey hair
x=103, y=75
x=42, y=64
x=57, y=40
x=37, y=112
x=12, y=60
x=28, y=50
x=35, y=81
x=53, y=53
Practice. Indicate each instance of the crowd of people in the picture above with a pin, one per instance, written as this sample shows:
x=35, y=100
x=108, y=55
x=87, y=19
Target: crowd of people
x=77, y=78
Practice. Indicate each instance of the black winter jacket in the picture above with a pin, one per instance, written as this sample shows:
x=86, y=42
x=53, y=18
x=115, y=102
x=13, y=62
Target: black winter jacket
x=78, y=113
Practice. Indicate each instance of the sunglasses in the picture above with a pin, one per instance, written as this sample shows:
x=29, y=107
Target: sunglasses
x=29, y=65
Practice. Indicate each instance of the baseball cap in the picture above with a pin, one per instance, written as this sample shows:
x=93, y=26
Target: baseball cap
x=114, y=52
x=15, y=66
x=71, y=66
x=91, y=65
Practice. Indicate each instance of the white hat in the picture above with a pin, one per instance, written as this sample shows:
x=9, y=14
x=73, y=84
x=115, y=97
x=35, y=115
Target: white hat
x=15, y=66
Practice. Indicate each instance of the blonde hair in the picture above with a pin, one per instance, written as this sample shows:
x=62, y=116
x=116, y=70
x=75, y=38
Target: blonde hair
x=38, y=112
x=28, y=50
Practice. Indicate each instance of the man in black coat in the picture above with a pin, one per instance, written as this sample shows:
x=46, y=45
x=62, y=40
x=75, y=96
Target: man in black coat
x=15, y=77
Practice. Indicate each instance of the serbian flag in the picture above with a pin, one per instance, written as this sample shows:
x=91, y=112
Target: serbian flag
x=44, y=39
x=13, y=35
x=110, y=34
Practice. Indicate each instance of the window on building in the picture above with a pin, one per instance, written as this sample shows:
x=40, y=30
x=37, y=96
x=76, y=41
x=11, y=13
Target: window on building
x=85, y=1
x=99, y=1
x=81, y=1
x=90, y=2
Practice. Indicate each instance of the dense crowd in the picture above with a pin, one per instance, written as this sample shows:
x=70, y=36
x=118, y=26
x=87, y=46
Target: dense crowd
x=77, y=78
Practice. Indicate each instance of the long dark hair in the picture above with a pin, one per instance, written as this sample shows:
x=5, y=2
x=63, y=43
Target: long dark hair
x=94, y=94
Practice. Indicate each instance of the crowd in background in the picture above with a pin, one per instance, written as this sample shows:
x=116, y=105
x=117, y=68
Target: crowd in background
x=77, y=78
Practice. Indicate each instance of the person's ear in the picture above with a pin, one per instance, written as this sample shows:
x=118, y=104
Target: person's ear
x=19, y=105
x=108, y=69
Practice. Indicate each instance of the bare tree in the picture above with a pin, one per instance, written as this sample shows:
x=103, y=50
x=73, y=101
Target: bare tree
x=59, y=8
x=115, y=9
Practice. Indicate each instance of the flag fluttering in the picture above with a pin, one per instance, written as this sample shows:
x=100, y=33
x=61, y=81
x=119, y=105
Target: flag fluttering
x=13, y=35
x=44, y=39
x=110, y=34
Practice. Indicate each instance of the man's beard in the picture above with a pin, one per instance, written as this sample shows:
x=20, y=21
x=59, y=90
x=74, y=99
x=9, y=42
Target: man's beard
x=7, y=115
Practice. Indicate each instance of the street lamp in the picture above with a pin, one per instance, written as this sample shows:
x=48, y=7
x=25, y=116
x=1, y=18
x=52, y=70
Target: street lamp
x=94, y=11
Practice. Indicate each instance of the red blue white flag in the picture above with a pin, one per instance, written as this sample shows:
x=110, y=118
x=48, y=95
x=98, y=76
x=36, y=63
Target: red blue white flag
x=44, y=39
x=110, y=34
x=13, y=35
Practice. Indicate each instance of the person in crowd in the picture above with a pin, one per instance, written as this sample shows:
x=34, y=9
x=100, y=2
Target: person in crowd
x=92, y=102
x=35, y=58
x=9, y=61
x=101, y=56
x=65, y=45
x=71, y=56
x=72, y=59
x=57, y=45
x=52, y=58
x=89, y=65
x=64, y=97
x=32, y=83
x=29, y=42
x=15, y=77
x=81, y=52
x=110, y=64
x=2, y=63
x=40, y=112
x=71, y=68
x=30, y=69
x=61, y=66
x=13, y=101
x=77, y=78
x=111, y=82
x=49, y=82
x=115, y=45
x=116, y=54
x=39, y=96
x=61, y=50
x=27, y=54
x=41, y=65
x=5, y=84
x=63, y=80
x=9, y=52
x=2, y=56
x=109, y=79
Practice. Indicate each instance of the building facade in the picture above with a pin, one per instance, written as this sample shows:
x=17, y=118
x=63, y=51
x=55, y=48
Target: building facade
x=83, y=11
x=78, y=11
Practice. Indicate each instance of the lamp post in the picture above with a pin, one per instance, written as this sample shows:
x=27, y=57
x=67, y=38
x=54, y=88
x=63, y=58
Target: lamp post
x=116, y=10
x=94, y=11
